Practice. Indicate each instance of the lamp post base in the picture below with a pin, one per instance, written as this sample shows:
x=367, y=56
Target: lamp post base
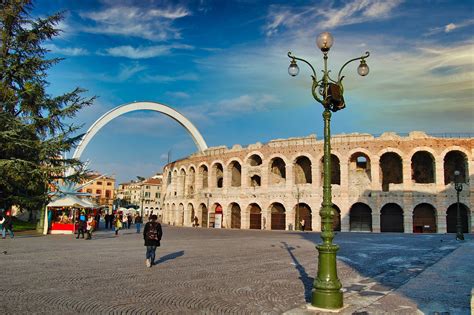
x=327, y=292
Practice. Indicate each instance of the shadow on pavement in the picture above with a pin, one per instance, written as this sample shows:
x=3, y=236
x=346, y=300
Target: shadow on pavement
x=169, y=257
x=307, y=280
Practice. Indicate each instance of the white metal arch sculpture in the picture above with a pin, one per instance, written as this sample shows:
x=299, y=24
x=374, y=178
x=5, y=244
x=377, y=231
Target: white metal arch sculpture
x=123, y=109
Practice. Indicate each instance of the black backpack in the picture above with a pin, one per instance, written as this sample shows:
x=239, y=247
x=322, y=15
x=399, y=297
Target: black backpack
x=152, y=233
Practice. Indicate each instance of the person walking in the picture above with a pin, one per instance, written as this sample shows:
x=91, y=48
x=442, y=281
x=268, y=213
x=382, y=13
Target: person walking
x=81, y=226
x=138, y=222
x=124, y=221
x=117, y=223
x=90, y=227
x=302, y=223
x=7, y=224
x=129, y=221
x=152, y=234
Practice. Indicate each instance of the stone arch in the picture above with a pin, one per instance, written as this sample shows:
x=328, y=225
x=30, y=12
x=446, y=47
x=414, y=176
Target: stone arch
x=451, y=218
x=204, y=174
x=235, y=170
x=455, y=160
x=217, y=175
x=277, y=171
x=123, y=109
x=182, y=181
x=423, y=167
x=216, y=215
x=235, y=215
x=255, y=181
x=254, y=159
x=278, y=216
x=255, y=213
x=203, y=213
x=180, y=220
x=424, y=218
x=359, y=168
x=191, y=213
x=360, y=217
x=302, y=170
x=303, y=212
x=391, y=218
x=192, y=180
x=391, y=169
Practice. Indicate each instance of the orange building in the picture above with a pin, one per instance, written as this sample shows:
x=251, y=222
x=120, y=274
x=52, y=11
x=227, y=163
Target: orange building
x=102, y=189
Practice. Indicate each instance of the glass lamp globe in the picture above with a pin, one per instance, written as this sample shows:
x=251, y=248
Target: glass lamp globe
x=324, y=41
x=293, y=69
x=457, y=173
x=363, y=69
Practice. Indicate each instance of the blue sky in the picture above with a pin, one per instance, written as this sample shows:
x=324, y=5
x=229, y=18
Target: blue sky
x=223, y=65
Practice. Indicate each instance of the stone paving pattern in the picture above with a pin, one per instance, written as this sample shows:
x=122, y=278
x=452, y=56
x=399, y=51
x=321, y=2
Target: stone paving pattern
x=214, y=271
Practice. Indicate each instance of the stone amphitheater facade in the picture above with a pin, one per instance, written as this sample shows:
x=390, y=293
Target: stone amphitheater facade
x=388, y=183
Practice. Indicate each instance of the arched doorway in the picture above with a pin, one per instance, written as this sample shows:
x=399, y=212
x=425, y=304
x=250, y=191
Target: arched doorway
x=255, y=216
x=455, y=161
x=278, y=216
x=451, y=218
x=391, y=218
x=204, y=213
x=424, y=219
x=391, y=170
x=360, y=218
x=423, y=167
x=336, y=220
x=302, y=170
x=303, y=212
x=235, y=216
x=191, y=213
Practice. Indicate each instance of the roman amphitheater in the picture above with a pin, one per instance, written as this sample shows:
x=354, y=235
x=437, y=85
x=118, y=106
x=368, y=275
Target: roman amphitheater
x=389, y=183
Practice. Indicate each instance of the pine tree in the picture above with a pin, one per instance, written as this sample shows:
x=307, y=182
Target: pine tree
x=34, y=133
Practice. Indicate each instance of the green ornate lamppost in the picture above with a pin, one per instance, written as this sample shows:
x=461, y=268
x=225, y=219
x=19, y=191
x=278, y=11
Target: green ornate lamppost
x=327, y=292
x=458, y=187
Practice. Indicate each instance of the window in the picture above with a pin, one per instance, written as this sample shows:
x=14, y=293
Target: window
x=99, y=183
x=107, y=194
x=109, y=184
x=157, y=195
x=98, y=191
x=89, y=191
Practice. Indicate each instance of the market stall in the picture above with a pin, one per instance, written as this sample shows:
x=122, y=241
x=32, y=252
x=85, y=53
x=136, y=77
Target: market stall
x=61, y=212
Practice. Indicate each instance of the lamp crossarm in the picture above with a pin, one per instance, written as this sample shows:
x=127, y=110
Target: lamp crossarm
x=339, y=78
x=306, y=62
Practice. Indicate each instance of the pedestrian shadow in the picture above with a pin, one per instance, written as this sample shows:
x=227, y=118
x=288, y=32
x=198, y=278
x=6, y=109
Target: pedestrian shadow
x=169, y=257
x=305, y=279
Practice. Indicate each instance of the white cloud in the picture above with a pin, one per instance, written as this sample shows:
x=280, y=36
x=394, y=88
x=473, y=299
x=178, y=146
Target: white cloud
x=178, y=94
x=66, y=51
x=144, y=52
x=167, y=79
x=327, y=16
x=449, y=27
x=126, y=71
x=148, y=23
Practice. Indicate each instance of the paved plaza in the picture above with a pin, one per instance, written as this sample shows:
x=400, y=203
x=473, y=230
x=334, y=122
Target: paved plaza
x=217, y=271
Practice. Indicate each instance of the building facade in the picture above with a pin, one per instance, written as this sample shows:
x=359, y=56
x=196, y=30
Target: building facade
x=146, y=194
x=102, y=189
x=379, y=184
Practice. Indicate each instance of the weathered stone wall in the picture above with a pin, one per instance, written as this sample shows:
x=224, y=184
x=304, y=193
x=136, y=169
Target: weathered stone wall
x=367, y=170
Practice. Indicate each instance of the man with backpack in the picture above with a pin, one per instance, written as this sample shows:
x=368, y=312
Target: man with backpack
x=152, y=235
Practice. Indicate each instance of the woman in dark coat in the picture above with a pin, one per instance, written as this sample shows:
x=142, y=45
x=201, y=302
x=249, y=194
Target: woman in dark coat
x=152, y=235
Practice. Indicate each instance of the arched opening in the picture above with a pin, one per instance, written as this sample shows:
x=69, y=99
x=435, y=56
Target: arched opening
x=174, y=182
x=168, y=179
x=391, y=218
x=391, y=169
x=182, y=180
x=455, y=161
x=216, y=216
x=204, y=173
x=336, y=220
x=278, y=216
x=277, y=171
x=255, y=181
x=173, y=215
x=180, y=220
x=255, y=216
x=235, y=216
x=302, y=170
x=303, y=212
x=204, y=213
x=335, y=170
x=218, y=175
x=192, y=181
x=359, y=170
x=424, y=219
x=236, y=174
x=255, y=160
x=360, y=218
x=423, y=167
x=451, y=218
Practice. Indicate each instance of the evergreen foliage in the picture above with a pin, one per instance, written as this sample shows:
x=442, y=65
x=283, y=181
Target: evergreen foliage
x=34, y=132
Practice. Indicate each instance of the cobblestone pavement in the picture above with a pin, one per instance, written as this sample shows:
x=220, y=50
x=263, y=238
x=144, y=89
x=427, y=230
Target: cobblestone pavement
x=213, y=271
